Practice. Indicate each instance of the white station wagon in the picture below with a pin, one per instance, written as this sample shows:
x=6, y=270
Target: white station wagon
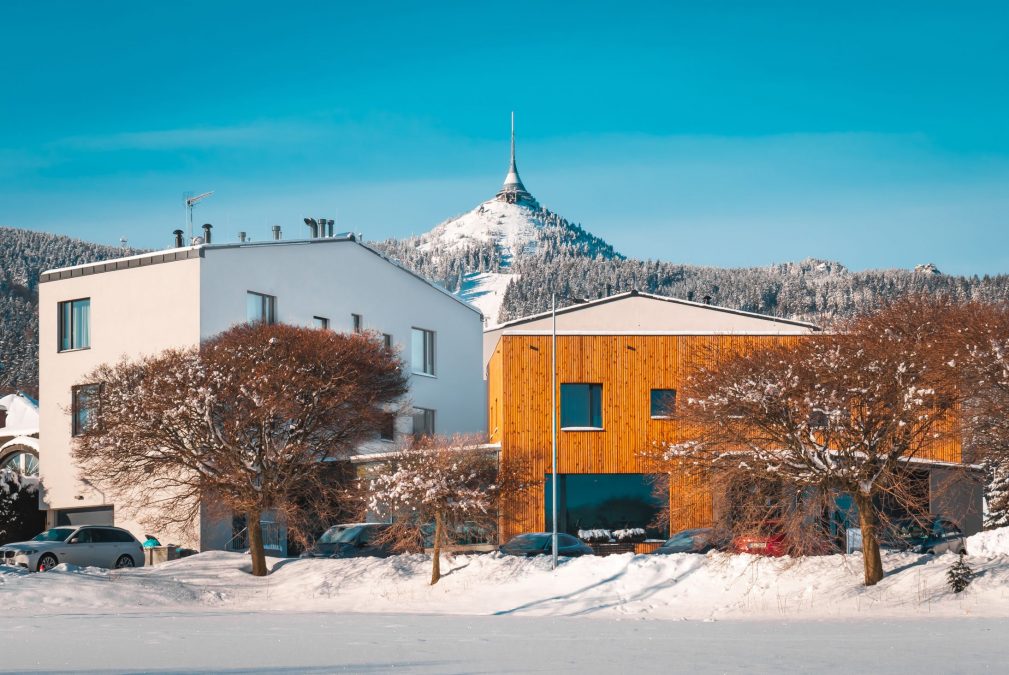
x=87, y=546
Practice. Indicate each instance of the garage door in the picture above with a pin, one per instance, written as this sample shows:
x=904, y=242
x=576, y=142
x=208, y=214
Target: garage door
x=99, y=515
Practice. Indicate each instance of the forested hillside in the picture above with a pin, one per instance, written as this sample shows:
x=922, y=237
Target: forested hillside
x=24, y=255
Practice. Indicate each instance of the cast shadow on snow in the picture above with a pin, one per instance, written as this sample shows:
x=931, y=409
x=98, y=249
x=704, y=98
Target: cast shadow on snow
x=308, y=670
x=564, y=596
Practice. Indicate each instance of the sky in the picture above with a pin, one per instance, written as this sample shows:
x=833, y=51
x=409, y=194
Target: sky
x=729, y=134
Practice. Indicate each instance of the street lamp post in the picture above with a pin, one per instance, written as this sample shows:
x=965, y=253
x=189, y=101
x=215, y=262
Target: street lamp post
x=553, y=426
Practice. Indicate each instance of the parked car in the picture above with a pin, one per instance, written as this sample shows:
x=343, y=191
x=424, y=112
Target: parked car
x=767, y=543
x=698, y=540
x=540, y=543
x=87, y=546
x=352, y=540
x=938, y=535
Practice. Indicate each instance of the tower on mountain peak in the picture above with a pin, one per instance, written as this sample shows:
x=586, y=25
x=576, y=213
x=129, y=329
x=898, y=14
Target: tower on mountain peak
x=513, y=191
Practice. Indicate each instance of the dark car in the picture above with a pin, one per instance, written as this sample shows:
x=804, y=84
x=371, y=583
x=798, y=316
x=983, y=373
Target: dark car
x=933, y=535
x=698, y=540
x=539, y=543
x=352, y=540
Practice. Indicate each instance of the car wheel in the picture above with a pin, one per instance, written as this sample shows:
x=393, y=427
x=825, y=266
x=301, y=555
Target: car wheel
x=125, y=561
x=46, y=563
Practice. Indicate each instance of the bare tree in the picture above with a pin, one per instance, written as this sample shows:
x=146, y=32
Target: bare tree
x=983, y=360
x=249, y=422
x=845, y=412
x=457, y=485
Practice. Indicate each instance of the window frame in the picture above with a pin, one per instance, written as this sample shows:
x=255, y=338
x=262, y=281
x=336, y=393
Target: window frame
x=387, y=340
x=669, y=414
x=77, y=427
x=429, y=362
x=388, y=425
x=266, y=301
x=423, y=412
x=62, y=326
x=592, y=400
x=321, y=322
x=357, y=323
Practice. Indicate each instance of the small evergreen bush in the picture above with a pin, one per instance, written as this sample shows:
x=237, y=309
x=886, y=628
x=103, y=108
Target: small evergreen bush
x=959, y=575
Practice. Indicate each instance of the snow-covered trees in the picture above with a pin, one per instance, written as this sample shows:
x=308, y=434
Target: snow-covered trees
x=845, y=412
x=19, y=509
x=454, y=485
x=248, y=422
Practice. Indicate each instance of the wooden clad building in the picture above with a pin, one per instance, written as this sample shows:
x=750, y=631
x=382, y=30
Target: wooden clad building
x=620, y=362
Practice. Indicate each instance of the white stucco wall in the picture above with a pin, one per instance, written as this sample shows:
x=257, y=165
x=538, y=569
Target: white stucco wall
x=644, y=314
x=134, y=312
x=144, y=310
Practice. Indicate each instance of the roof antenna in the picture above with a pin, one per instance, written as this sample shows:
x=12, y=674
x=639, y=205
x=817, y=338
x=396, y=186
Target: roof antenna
x=190, y=200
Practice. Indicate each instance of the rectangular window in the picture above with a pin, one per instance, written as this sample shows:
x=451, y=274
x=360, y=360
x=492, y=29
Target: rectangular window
x=260, y=308
x=663, y=403
x=422, y=351
x=84, y=407
x=423, y=422
x=388, y=430
x=591, y=501
x=581, y=406
x=320, y=322
x=358, y=322
x=387, y=340
x=75, y=324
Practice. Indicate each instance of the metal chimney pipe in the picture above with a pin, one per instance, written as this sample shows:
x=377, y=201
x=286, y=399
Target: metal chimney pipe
x=313, y=226
x=178, y=238
x=241, y=237
x=276, y=232
x=330, y=223
x=206, y=232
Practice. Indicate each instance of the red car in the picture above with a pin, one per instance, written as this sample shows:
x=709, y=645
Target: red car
x=773, y=545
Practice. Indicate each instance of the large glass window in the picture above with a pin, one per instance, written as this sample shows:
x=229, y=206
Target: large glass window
x=422, y=351
x=605, y=501
x=260, y=308
x=75, y=324
x=663, y=403
x=581, y=406
x=85, y=400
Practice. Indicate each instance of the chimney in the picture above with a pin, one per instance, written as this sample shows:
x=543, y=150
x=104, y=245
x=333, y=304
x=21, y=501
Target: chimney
x=276, y=233
x=206, y=232
x=313, y=226
x=330, y=224
x=178, y=238
x=241, y=237
x=707, y=299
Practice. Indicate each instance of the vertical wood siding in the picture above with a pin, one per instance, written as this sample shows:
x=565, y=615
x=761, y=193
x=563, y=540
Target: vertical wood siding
x=628, y=367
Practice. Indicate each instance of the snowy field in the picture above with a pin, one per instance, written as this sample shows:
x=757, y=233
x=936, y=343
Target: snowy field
x=493, y=613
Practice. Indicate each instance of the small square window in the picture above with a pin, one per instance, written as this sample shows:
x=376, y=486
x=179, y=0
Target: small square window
x=387, y=340
x=74, y=324
x=422, y=351
x=423, y=422
x=260, y=308
x=663, y=403
x=581, y=406
x=84, y=407
x=320, y=322
x=358, y=322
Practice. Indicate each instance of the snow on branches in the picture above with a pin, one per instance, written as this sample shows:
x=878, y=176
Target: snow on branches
x=249, y=422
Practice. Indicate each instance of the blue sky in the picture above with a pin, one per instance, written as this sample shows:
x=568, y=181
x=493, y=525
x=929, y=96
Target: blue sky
x=707, y=133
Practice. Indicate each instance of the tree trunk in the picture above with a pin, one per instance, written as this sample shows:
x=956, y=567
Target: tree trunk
x=256, y=551
x=436, y=552
x=870, y=540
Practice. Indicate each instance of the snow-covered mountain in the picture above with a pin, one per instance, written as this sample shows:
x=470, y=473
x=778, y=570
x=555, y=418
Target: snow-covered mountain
x=511, y=225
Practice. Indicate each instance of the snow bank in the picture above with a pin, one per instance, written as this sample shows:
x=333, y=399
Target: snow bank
x=679, y=586
x=990, y=543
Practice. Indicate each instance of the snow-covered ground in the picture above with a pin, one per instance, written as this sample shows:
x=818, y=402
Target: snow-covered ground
x=493, y=613
x=714, y=586
x=486, y=290
x=285, y=642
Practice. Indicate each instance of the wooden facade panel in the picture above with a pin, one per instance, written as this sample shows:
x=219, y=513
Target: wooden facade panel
x=628, y=367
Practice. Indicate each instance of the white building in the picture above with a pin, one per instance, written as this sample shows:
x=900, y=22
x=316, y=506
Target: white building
x=139, y=305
